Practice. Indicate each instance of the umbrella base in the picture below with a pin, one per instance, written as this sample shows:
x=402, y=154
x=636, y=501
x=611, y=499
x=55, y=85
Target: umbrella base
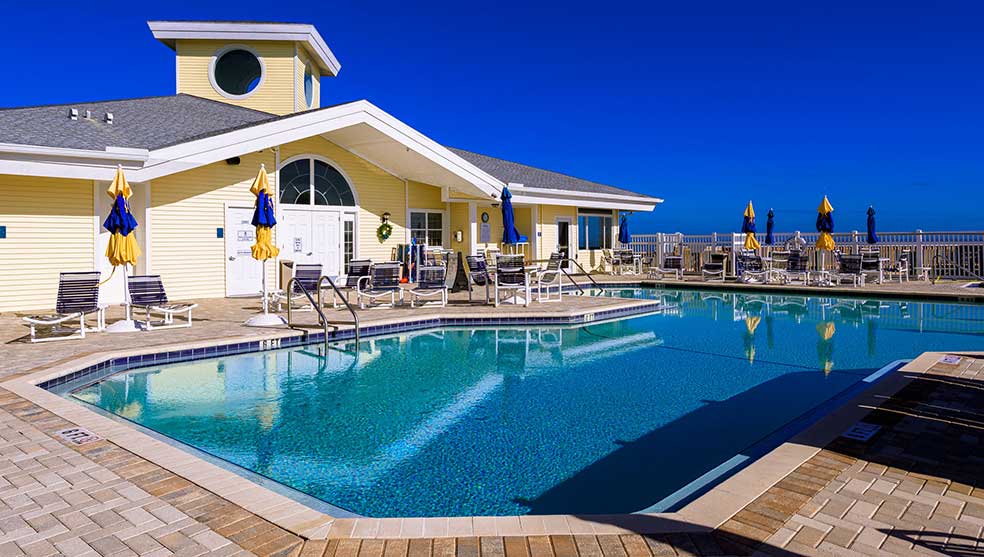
x=124, y=326
x=266, y=320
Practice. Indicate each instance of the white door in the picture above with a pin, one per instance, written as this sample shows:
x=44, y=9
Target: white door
x=244, y=275
x=296, y=242
x=327, y=241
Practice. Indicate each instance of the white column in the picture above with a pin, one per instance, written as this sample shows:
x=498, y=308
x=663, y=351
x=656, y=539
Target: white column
x=473, y=228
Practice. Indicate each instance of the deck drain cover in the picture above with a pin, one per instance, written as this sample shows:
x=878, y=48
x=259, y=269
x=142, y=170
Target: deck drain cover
x=950, y=360
x=78, y=435
x=861, y=431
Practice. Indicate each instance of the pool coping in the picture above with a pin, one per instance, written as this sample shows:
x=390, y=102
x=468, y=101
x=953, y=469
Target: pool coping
x=705, y=513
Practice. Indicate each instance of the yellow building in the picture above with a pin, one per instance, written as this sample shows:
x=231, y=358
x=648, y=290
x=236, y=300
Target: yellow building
x=248, y=94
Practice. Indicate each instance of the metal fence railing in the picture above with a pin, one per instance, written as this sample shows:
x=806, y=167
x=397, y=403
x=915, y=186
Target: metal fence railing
x=953, y=255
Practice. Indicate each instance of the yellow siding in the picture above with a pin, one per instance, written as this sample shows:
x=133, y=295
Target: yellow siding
x=425, y=196
x=377, y=192
x=301, y=61
x=459, y=221
x=186, y=208
x=495, y=221
x=50, y=229
x=548, y=227
x=275, y=94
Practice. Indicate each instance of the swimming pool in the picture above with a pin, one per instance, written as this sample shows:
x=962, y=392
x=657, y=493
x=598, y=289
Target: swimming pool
x=609, y=417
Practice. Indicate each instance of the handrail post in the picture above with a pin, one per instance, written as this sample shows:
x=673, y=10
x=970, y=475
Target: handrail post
x=919, y=247
x=355, y=316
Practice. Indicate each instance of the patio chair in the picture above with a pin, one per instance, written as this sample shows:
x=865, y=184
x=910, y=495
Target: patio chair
x=796, y=268
x=478, y=275
x=307, y=276
x=431, y=283
x=849, y=268
x=358, y=268
x=672, y=264
x=383, y=280
x=147, y=294
x=871, y=265
x=510, y=276
x=78, y=296
x=626, y=261
x=713, y=267
x=550, y=279
x=900, y=268
x=750, y=268
x=610, y=259
x=491, y=257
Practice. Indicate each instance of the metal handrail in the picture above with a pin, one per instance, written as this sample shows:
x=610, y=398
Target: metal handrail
x=355, y=316
x=316, y=306
x=585, y=273
x=955, y=264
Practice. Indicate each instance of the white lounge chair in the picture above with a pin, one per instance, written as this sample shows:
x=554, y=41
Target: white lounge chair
x=358, y=268
x=147, y=294
x=307, y=275
x=383, y=280
x=478, y=275
x=78, y=296
x=510, y=276
x=549, y=280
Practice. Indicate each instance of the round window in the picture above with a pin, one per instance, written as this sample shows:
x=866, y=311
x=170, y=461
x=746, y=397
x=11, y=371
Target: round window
x=237, y=72
x=308, y=87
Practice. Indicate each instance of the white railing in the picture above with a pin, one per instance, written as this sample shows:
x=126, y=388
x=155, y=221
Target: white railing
x=953, y=255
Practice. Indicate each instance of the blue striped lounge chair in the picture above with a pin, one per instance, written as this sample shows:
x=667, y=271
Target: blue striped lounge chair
x=147, y=295
x=307, y=275
x=383, y=280
x=478, y=275
x=510, y=276
x=358, y=268
x=78, y=296
x=431, y=283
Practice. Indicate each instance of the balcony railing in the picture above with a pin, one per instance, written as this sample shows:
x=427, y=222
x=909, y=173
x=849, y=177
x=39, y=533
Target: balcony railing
x=950, y=255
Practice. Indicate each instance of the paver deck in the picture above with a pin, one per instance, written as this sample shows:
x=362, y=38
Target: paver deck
x=915, y=489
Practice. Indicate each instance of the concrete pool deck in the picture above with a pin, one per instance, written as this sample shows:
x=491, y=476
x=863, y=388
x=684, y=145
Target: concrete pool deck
x=106, y=498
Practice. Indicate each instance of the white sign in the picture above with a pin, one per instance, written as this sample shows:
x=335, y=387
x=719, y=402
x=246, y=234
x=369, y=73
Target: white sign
x=298, y=245
x=485, y=233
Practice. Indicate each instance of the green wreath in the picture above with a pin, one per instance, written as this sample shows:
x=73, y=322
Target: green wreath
x=384, y=231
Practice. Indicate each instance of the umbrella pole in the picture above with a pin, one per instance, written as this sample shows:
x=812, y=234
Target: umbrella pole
x=265, y=319
x=127, y=325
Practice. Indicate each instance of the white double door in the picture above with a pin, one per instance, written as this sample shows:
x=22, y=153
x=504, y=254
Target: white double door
x=312, y=235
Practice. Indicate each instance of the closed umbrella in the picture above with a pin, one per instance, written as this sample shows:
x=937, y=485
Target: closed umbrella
x=123, y=249
x=624, y=237
x=825, y=225
x=872, y=235
x=509, y=233
x=769, y=225
x=264, y=219
x=748, y=227
x=751, y=323
x=825, y=346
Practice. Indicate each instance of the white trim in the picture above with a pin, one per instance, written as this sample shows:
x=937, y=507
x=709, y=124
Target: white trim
x=535, y=233
x=147, y=230
x=571, y=235
x=294, y=85
x=95, y=225
x=225, y=49
x=110, y=154
x=568, y=193
x=598, y=202
x=170, y=31
x=473, y=230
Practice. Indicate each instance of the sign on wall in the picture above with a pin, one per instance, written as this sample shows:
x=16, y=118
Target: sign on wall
x=485, y=233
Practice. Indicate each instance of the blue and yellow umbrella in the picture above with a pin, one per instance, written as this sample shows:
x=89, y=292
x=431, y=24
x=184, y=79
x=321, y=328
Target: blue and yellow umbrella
x=264, y=218
x=825, y=225
x=123, y=248
x=748, y=227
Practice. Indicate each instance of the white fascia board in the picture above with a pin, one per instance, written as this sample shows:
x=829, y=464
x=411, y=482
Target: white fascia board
x=590, y=201
x=169, y=31
x=569, y=193
x=185, y=156
x=57, y=162
x=110, y=154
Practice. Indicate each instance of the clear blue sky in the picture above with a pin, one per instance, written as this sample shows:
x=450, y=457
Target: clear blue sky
x=706, y=104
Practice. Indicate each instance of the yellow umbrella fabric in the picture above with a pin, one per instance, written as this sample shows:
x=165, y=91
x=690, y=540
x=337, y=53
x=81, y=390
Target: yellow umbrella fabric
x=751, y=323
x=825, y=225
x=748, y=227
x=123, y=248
x=263, y=218
x=825, y=348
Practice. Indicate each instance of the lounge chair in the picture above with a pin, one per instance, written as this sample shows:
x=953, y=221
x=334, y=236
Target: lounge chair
x=358, y=268
x=849, y=268
x=796, y=268
x=900, y=268
x=478, y=275
x=550, y=279
x=750, y=268
x=672, y=264
x=871, y=265
x=147, y=294
x=383, y=280
x=78, y=296
x=307, y=276
x=713, y=267
x=613, y=261
x=510, y=276
x=431, y=283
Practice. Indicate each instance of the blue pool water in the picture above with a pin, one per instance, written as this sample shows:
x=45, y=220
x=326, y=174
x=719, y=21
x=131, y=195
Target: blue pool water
x=606, y=418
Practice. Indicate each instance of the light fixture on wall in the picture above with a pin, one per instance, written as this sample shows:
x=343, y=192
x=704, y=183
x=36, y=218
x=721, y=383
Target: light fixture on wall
x=386, y=217
x=495, y=205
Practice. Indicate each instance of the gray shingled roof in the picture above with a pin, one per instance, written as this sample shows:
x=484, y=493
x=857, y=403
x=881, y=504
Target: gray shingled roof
x=155, y=122
x=143, y=123
x=529, y=176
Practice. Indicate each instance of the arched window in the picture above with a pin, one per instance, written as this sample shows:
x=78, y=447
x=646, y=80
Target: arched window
x=314, y=182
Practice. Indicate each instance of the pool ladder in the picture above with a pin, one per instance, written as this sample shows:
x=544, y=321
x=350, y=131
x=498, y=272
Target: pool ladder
x=322, y=319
